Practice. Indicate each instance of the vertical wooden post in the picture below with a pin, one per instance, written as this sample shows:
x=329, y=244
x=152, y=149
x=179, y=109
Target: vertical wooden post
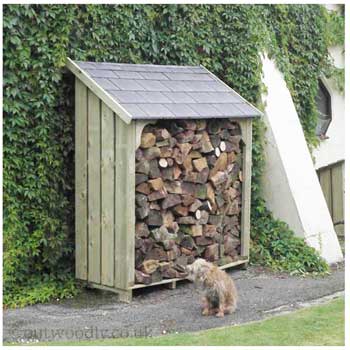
x=246, y=127
x=80, y=180
x=94, y=187
x=124, y=205
x=107, y=195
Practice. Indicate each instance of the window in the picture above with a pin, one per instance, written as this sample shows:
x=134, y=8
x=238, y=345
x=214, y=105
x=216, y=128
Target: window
x=324, y=109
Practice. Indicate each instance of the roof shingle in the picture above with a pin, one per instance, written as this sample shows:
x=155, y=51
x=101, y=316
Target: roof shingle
x=167, y=92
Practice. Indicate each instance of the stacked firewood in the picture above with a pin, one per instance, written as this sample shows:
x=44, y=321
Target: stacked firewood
x=188, y=196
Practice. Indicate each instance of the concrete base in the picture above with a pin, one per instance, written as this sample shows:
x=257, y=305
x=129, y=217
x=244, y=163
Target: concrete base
x=290, y=184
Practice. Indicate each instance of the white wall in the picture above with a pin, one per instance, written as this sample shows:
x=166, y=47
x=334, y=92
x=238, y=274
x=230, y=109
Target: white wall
x=332, y=149
x=290, y=184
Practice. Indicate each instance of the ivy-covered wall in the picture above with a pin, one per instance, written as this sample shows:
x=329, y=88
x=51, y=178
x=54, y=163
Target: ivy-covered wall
x=38, y=113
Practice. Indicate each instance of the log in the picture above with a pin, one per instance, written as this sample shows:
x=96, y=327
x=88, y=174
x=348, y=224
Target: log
x=163, y=163
x=148, y=140
x=191, y=177
x=170, y=162
x=219, y=178
x=156, y=184
x=176, y=172
x=154, y=196
x=220, y=165
x=175, y=129
x=143, y=188
x=181, y=210
x=201, y=191
x=187, y=199
x=213, y=127
x=168, y=219
x=139, y=154
x=198, y=214
x=178, y=156
x=200, y=164
x=203, y=217
x=154, y=171
x=149, y=266
x=162, y=134
x=196, y=230
x=202, y=177
x=186, y=220
x=151, y=153
x=142, y=212
x=215, y=140
x=167, y=173
x=217, y=151
x=187, y=164
x=207, y=147
x=188, y=124
x=154, y=205
x=166, y=152
x=185, y=251
x=142, y=167
x=187, y=242
x=173, y=187
x=230, y=245
x=169, y=244
x=185, y=148
x=212, y=252
x=195, y=155
x=171, y=200
x=141, y=230
x=160, y=234
x=185, y=136
x=214, y=219
x=201, y=124
x=195, y=205
x=156, y=276
x=141, y=200
x=154, y=218
x=222, y=146
x=157, y=253
x=142, y=278
x=139, y=178
x=169, y=273
x=209, y=230
x=225, y=134
x=203, y=241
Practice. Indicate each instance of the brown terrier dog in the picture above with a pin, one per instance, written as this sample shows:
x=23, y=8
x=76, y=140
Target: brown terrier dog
x=220, y=291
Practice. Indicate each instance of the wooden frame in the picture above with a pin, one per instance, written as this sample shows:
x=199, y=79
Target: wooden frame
x=105, y=220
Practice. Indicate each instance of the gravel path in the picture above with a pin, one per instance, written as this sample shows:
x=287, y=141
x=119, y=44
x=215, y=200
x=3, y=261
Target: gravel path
x=159, y=310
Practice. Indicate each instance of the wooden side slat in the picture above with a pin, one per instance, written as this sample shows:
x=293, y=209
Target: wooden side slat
x=326, y=185
x=107, y=195
x=246, y=127
x=124, y=204
x=337, y=193
x=80, y=180
x=94, y=187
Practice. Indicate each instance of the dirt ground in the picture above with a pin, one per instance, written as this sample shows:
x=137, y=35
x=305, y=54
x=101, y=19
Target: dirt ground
x=159, y=310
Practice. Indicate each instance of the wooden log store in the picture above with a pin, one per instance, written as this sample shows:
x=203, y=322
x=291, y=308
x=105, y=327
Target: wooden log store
x=162, y=173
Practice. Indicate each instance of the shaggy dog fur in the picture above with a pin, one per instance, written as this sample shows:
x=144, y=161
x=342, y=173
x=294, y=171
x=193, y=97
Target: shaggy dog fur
x=220, y=294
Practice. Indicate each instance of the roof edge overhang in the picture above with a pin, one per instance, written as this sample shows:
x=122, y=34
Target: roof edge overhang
x=258, y=112
x=99, y=91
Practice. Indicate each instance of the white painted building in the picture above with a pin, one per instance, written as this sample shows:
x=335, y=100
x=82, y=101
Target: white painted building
x=307, y=192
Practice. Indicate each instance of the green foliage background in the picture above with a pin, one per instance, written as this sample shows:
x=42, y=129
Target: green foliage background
x=38, y=113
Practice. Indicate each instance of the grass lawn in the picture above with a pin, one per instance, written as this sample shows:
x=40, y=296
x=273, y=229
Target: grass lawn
x=317, y=325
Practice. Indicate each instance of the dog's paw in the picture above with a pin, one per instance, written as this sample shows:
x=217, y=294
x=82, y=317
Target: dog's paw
x=205, y=312
x=220, y=314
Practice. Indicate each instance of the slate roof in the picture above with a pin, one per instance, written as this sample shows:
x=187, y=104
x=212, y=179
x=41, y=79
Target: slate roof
x=148, y=91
